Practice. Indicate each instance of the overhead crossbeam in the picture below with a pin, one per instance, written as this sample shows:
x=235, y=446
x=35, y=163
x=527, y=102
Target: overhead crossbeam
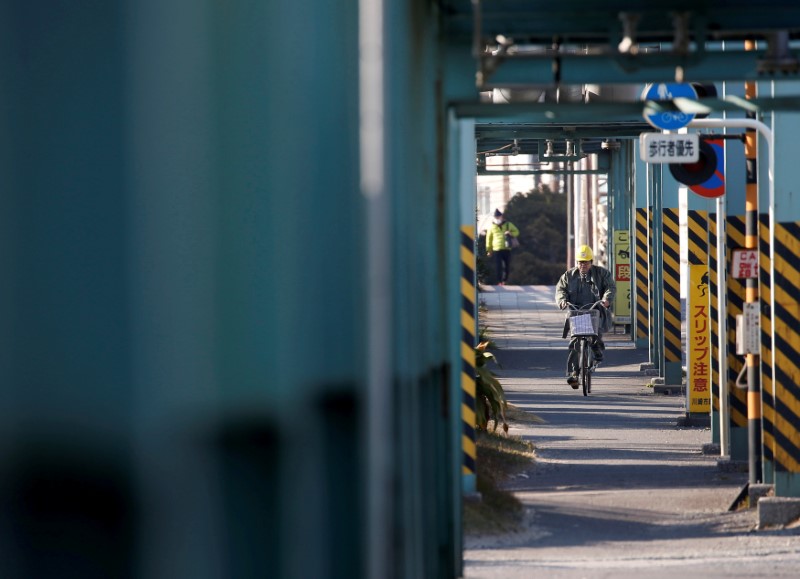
x=525, y=70
x=577, y=113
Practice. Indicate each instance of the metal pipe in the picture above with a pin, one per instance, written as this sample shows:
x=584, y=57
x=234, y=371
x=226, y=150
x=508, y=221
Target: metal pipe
x=752, y=361
x=501, y=172
x=570, y=221
x=477, y=32
x=722, y=334
x=373, y=158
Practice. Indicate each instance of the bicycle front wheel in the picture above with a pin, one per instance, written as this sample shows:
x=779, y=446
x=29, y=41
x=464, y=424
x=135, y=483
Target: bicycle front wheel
x=586, y=376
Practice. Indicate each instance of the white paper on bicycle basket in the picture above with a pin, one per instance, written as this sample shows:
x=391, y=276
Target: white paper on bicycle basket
x=582, y=324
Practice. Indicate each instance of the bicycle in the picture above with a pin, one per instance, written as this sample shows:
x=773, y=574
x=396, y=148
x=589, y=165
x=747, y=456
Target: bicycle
x=584, y=326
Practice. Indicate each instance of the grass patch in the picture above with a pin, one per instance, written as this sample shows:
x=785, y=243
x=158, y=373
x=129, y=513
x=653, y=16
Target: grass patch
x=521, y=416
x=498, y=458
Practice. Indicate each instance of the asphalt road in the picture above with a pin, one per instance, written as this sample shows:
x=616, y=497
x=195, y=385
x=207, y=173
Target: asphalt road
x=618, y=489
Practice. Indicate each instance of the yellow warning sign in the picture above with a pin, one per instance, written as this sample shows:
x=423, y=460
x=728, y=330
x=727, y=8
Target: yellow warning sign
x=622, y=275
x=698, y=331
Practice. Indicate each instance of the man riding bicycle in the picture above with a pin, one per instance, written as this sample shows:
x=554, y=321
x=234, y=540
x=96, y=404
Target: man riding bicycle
x=584, y=285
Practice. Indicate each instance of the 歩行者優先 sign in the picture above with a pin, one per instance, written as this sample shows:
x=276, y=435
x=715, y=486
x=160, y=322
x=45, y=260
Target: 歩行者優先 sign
x=669, y=148
x=745, y=264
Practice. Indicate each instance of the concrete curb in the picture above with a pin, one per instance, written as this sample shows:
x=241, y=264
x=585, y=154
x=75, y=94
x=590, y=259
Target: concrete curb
x=758, y=492
x=728, y=465
x=668, y=389
x=698, y=420
x=777, y=511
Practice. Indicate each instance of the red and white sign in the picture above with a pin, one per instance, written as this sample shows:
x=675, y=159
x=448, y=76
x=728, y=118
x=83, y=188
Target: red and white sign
x=745, y=264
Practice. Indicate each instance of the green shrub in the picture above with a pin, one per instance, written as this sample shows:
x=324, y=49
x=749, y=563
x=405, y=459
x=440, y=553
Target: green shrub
x=490, y=399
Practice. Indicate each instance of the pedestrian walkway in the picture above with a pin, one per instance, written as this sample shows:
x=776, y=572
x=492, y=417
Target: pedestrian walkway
x=525, y=316
x=618, y=487
x=526, y=328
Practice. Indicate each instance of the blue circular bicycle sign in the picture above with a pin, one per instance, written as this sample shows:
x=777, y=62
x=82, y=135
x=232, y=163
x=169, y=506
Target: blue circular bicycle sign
x=668, y=120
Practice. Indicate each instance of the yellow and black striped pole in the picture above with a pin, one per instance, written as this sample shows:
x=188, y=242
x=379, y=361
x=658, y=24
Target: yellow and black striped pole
x=767, y=385
x=468, y=328
x=786, y=322
x=672, y=290
x=737, y=397
x=642, y=322
x=751, y=294
x=713, y=292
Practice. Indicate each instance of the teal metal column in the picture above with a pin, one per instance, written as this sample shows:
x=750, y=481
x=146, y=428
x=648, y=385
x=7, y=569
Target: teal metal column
x=620, y=200
x=734, y=431
x=462, y=296
x=184, y=277
x=461, y=188
x=765, y=285
x=785, y=228
x=641, y=295
x=656, y=271
x=66, y=370
x=734, y=235
x=424, y=240
x=671, y=276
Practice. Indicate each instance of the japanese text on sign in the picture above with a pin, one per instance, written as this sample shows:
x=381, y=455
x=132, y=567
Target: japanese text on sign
x=668, y=148
x=745, y=263
x=699, y=341
x=622, y=276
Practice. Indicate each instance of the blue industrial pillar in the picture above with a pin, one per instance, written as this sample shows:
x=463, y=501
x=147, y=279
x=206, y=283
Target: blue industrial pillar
x=731, y=226
x=656, y=269
x=785, y=305
x=620, y=235
x=229, y=254
x=641, y=273
x=183, y=291
x=765, y=285
x=670, y=264
x=462, y=326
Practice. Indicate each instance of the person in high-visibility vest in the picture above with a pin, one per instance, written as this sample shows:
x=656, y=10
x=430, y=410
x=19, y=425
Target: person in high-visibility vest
x=501, y=238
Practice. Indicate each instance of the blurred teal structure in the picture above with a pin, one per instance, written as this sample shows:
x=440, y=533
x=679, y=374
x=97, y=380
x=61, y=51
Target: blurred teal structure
x=226, y=342
x=229, y=301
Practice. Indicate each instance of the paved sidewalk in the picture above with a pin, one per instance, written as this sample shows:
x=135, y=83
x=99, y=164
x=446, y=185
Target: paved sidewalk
x=526, y=316
x=618, y=488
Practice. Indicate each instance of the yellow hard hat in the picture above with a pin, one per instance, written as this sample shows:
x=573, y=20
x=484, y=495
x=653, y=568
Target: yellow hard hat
x=584, y=253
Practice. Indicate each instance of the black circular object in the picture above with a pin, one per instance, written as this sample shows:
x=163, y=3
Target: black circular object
x=696, y=173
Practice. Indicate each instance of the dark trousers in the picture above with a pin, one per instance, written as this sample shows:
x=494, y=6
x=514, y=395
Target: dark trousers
x=598, y=346
x=502, y=259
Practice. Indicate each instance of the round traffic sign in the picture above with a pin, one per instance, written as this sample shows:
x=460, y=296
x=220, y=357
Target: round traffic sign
x=668, y=120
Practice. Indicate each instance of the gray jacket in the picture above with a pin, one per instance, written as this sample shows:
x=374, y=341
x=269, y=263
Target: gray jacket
x=599, y=285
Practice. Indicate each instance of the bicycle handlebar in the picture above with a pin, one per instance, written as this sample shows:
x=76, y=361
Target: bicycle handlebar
x=599, y=303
